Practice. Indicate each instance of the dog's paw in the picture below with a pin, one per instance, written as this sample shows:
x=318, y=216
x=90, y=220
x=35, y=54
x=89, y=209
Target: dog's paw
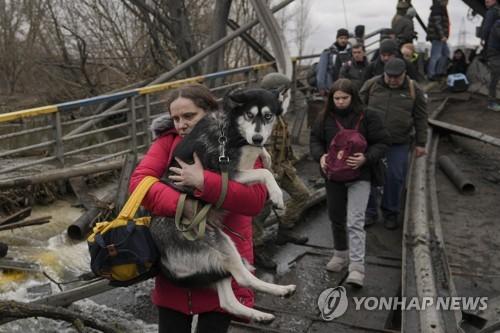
x=263, y=317
x=287, y=291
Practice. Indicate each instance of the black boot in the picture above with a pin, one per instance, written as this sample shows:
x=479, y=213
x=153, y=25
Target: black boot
x=262, y=260
x=288, y=236
x=391, y=222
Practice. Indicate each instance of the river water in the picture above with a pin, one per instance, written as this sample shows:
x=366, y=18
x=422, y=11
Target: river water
x=63, y=260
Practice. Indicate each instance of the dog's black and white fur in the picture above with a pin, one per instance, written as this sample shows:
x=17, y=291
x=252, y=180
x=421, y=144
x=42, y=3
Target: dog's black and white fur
x=247, y=118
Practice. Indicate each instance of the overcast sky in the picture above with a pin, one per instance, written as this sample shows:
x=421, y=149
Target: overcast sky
x=327, y=16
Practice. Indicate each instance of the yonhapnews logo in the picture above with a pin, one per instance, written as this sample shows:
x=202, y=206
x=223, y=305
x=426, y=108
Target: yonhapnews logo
x=333, y=303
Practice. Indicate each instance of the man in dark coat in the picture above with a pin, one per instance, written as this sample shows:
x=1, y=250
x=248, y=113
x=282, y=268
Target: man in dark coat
x=355, y=68
x=403, y=106
x=491, y=43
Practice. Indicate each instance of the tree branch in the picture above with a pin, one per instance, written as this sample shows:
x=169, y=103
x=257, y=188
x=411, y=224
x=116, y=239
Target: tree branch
x=21, y=310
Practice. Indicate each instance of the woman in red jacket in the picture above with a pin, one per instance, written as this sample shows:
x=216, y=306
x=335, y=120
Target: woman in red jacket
x=176, y=305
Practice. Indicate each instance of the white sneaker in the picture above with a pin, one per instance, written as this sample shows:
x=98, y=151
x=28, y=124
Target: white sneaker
x=355, y=279
x=356, y=275
x=339, y=261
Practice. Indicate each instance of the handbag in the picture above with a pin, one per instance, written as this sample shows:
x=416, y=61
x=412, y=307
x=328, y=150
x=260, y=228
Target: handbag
x=122, y=250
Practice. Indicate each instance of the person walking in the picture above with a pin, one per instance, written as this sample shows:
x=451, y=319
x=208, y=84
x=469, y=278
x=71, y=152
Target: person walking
x=347, y=200
x=331, y=60
x=403, y=107
x=438, y=32
x=185, y=107
x=355, y=68
x=490, y=39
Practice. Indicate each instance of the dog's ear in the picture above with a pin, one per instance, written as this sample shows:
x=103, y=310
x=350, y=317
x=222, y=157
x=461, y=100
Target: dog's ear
x=234, y=99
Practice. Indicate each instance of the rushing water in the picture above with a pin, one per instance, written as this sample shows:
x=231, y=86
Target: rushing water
x=63, y=260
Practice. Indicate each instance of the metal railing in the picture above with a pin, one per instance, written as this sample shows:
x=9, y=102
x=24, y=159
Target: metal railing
x=41, y=135
x=77, y=133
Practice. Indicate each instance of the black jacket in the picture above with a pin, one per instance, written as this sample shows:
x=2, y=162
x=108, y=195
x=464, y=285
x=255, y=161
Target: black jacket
x=371, y=127
x=400, y=111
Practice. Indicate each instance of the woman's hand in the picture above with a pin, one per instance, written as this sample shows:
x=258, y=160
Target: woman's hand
x=322, y=162
x=188, y=174
x=355, y=161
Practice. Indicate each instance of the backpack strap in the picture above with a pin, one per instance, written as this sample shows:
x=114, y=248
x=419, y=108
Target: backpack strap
x=356, y=127
x=361, y=116
x=411, y=86
x=134, y=201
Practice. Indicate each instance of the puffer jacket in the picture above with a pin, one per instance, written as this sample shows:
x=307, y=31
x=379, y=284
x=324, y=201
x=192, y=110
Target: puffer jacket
x=371, y=127
x=161, y=200
x=439, y=23
x=401, y=113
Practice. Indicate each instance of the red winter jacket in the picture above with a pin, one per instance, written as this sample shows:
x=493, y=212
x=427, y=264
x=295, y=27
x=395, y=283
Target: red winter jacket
x=162, y=200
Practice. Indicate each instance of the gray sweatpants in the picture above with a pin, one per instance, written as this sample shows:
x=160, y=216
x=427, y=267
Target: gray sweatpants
x=346, y=208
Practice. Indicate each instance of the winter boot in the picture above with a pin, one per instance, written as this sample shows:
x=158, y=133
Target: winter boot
x=339, y=261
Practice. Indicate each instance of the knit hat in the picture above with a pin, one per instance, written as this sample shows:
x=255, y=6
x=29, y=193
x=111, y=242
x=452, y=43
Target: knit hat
x=403, y=5
x=342, y=32
x=395, y=67
x=275, y=81
x=388, y=46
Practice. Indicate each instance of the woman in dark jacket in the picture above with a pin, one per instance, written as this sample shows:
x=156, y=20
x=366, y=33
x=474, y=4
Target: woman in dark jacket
x=347, y=201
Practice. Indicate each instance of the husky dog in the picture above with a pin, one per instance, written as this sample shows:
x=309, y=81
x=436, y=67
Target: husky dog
x=247, y=121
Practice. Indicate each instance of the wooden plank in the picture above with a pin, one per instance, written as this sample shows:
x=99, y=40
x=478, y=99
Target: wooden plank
x=17, y=265
x=467, y=132
x=59, y=174
x=27, y=223
x=127, y=169
x=17, y=216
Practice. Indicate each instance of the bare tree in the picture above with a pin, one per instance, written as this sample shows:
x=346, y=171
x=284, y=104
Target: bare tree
x=215, y=61
x=302, y=29
x=19, y=28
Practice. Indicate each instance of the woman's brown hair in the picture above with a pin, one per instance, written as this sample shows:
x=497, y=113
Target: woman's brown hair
x=197, y=93
x=345, y=86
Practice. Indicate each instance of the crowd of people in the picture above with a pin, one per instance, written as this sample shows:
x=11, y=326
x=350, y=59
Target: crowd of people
x=378, y=103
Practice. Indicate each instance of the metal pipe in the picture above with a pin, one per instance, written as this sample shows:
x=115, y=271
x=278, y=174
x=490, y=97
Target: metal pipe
x=22, y=165
x=449, y=168
x=79, y=229
x=20, y=150
x=102, y=144
x=19, y=133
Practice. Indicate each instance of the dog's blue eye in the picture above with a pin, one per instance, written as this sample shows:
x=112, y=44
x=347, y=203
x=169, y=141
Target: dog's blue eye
x=249, y=115
x=268, y=116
